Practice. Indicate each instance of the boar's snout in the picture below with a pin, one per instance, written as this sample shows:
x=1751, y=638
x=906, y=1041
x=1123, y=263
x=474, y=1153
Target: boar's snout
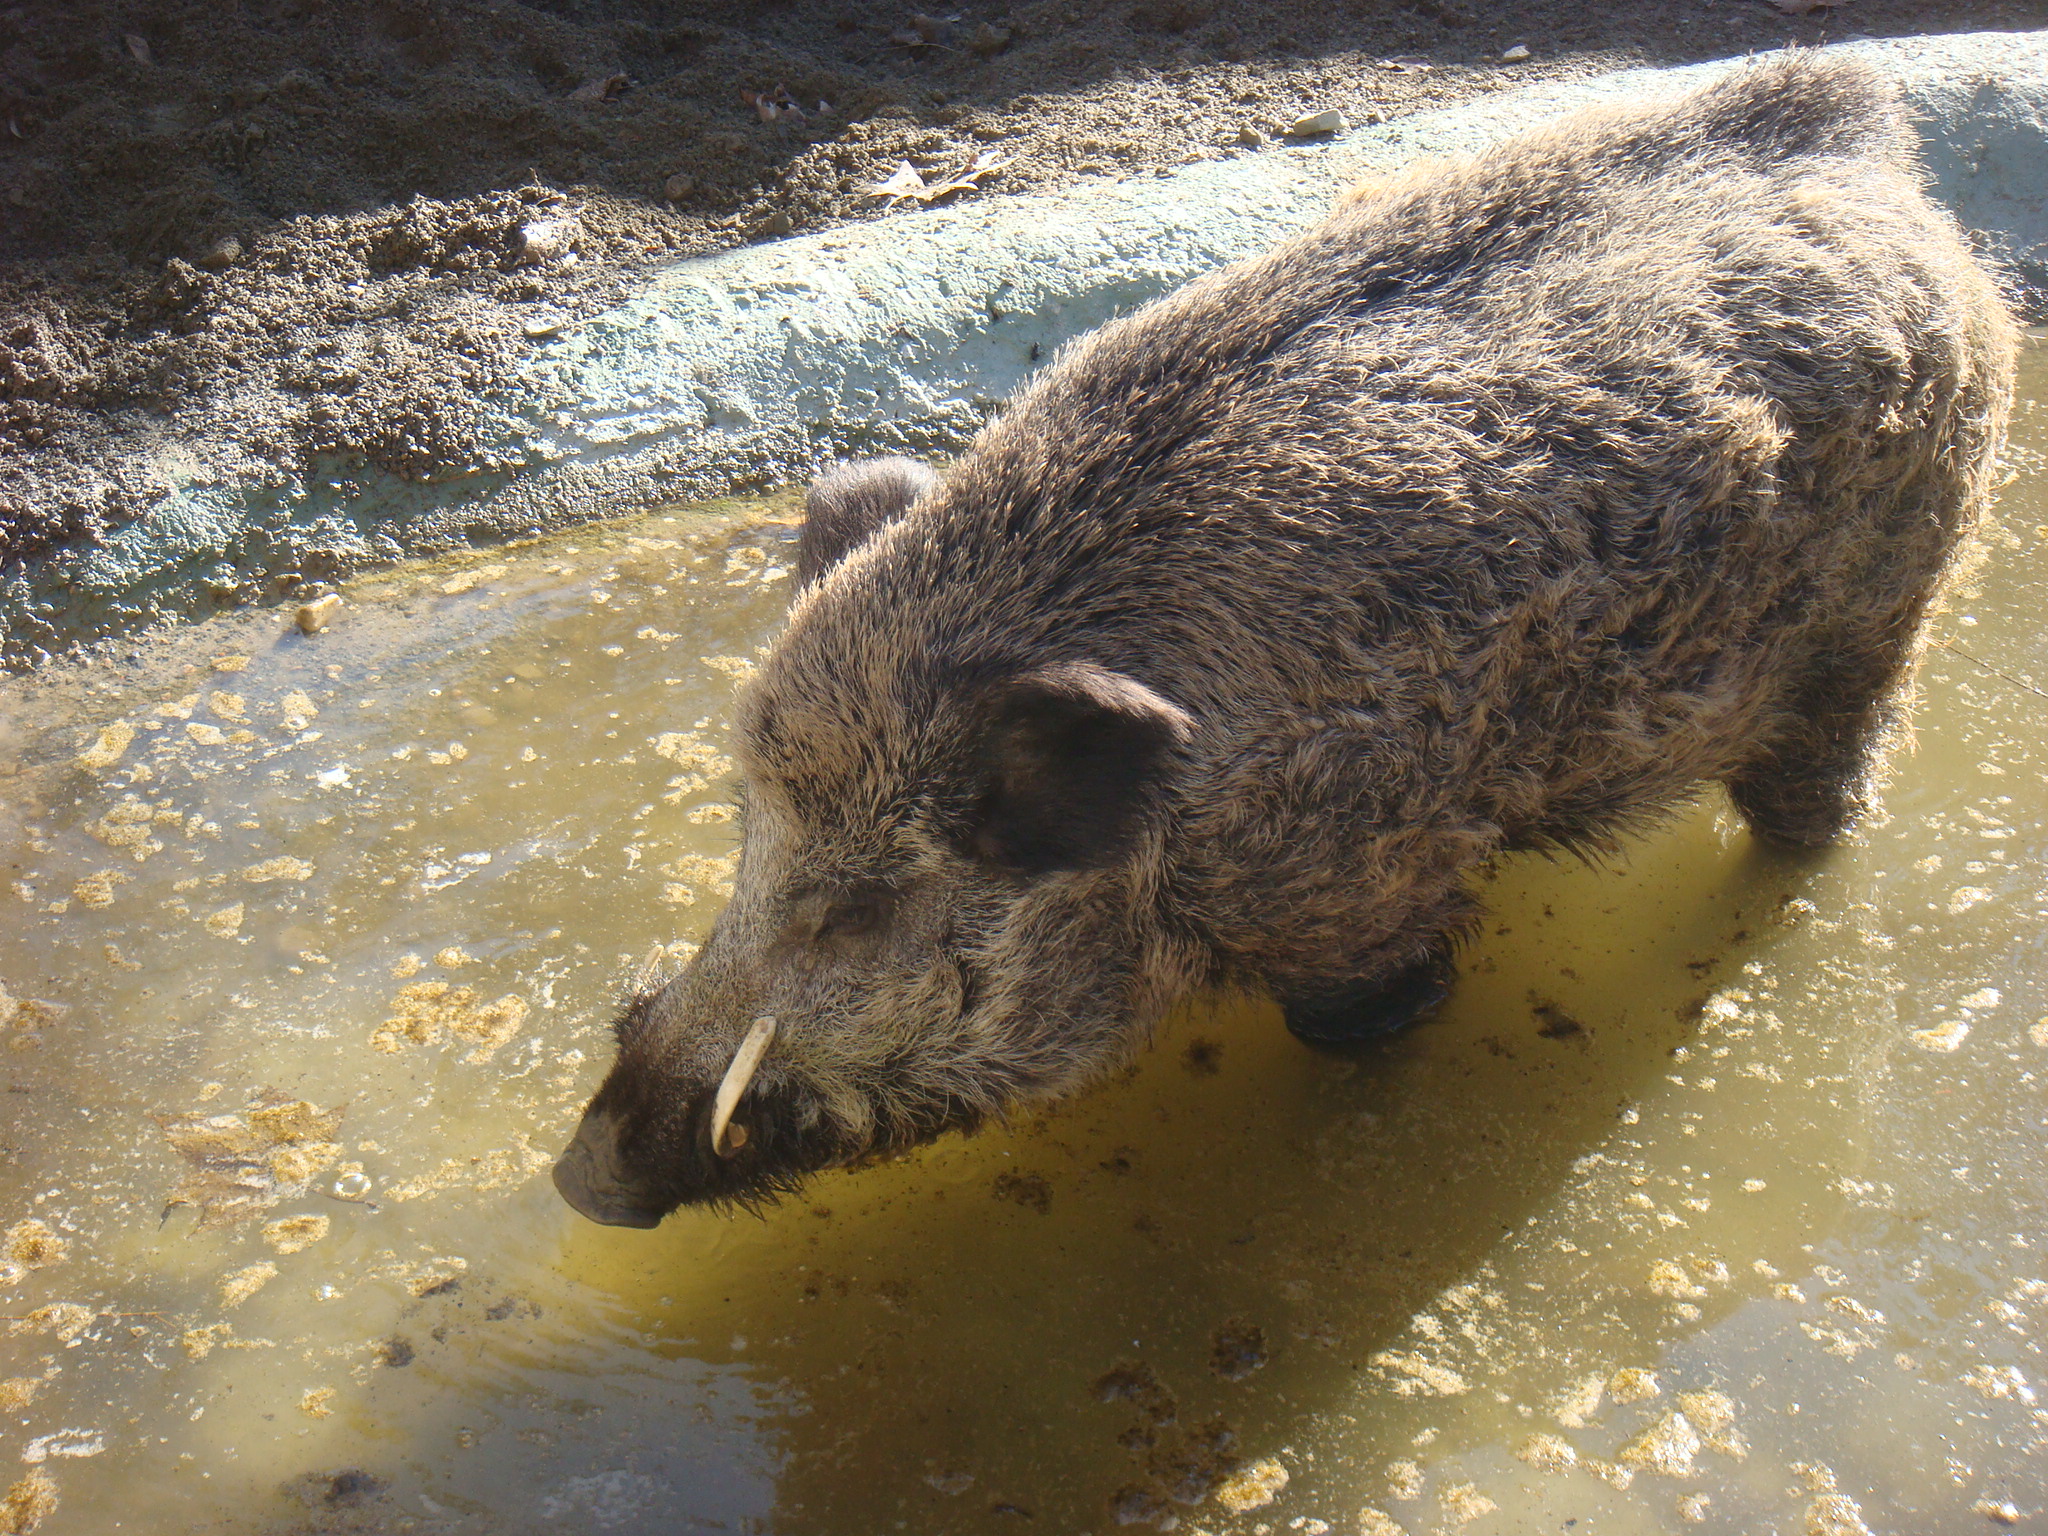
x=591, y=1177
x=644, y=1146
x=609, y=1176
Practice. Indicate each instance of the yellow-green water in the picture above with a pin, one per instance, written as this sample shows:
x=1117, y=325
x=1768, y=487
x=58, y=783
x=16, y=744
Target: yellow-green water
x=1750, y=1139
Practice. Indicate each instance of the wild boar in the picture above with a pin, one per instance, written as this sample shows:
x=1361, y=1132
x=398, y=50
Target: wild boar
x=1503, y=510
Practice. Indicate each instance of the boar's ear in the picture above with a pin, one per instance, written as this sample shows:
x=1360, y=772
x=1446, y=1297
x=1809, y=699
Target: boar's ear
x=1072, y=757
x=849, y=503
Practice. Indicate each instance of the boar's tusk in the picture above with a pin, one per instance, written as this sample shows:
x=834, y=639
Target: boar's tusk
x=651, y=970
x=745, y=1061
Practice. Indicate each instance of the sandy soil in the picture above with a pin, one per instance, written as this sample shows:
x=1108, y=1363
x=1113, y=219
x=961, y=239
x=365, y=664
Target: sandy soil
x=287, y=229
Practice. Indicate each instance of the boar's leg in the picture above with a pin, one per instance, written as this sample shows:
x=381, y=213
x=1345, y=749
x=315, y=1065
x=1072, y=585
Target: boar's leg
x=1811, y=786
x=849, y=504
x=1361, y=1013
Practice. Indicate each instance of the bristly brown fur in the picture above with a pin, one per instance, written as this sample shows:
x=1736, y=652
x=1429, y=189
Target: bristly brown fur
x=849, y=502
x=1501, y=510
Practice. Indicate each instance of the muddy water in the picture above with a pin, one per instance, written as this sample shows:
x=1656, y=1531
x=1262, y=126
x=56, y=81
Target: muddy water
x=1715, y=1200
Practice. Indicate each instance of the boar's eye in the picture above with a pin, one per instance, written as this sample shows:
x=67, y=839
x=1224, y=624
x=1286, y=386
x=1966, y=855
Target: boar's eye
x=855, y=914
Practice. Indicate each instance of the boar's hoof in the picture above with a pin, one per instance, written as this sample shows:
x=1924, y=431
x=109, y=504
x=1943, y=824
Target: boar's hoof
x=1351, y=1018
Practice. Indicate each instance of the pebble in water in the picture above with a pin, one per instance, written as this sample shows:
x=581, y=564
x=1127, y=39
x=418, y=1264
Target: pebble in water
x=317, y=615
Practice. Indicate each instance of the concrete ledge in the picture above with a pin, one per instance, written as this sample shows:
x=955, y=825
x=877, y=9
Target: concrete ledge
x=749, y=369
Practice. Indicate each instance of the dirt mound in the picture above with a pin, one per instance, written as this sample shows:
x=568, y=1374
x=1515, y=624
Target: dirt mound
x=289, y=234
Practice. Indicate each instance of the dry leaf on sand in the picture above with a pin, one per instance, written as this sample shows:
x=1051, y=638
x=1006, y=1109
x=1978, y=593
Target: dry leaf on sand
x=905, y=181
x=603, y=88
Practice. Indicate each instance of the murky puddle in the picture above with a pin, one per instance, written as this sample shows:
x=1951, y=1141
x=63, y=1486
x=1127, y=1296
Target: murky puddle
x=1716, y=1200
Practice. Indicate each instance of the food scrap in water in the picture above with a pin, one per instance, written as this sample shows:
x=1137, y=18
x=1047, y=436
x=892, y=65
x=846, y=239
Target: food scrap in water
x=241, y=1165
x=1252, y=1486
x=425, y=1010
x=1667, y=1447
x=1463, y=1502
x=32, y=1244
x=1632, y=1384
x=28, y=1503
x=107, y=747
x=65, y=1319
x=277, y=869
x=1548, y=1453
x=294, y=1233
x=1416, y=1374
x=238, y=1287
x=1713, y=1415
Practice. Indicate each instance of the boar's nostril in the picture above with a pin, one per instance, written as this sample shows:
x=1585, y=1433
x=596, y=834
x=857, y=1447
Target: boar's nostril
x=745, y=1062
x=585, y=1178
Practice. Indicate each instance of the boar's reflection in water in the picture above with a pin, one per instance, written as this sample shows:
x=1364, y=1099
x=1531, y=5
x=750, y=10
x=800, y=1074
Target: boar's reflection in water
x=1501, y=510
